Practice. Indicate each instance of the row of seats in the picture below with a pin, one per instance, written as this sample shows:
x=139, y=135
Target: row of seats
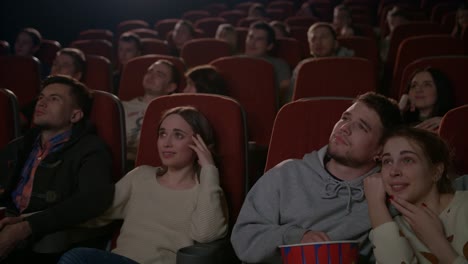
x=251, y=81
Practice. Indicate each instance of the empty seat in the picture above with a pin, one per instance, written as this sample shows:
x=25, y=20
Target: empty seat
x=209, y=25
x=251, y=81
x=363, y=47
x=22, y=76
x=154, y=46
x=98, y=47
x=98, y=74
x=47, y=51
x=164, y=26
x=300, y=21
x=96, y=34
x=146, y=33
x=128, y=25
x=107, y=114
x=286, y=6
x=194, y=15
x=216, y=8
x=232, y=16
x=334, y=76
x=202, y=51
x=288, y=49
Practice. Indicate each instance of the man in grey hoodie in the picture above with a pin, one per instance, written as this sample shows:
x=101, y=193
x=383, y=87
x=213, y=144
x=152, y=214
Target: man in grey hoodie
x=320, y=197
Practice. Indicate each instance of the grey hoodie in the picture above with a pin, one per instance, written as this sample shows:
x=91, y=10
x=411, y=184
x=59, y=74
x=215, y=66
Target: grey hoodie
x=294, y=197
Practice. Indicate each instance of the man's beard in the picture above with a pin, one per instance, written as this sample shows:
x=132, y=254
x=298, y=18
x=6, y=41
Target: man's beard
x=345, y=159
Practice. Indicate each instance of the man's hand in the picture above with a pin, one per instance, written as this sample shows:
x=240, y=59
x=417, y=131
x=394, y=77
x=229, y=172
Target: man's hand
x=312, y=236
x=11, y=235
x=9, y=221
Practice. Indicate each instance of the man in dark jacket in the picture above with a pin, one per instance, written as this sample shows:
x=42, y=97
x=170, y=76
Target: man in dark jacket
x=59, y=174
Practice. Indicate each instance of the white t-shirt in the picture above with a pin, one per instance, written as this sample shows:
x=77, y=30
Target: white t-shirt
x=134, y=112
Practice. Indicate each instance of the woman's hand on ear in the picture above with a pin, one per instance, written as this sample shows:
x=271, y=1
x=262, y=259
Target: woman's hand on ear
x=203, y=152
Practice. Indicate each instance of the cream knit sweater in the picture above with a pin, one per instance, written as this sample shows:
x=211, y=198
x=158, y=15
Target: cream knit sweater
x=158, y=221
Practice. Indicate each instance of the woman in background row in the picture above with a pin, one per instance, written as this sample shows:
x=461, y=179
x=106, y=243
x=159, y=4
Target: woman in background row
x=428, y=97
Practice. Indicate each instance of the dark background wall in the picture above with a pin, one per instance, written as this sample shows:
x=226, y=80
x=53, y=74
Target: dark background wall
x=63, y=20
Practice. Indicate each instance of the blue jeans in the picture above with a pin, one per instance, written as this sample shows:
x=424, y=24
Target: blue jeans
x=92, y=255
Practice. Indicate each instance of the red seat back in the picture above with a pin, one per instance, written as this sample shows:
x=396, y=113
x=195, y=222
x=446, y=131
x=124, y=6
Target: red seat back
x=288, y=49
x=22, y=76
x=47, y=51
x=164, y=26
x=454, y=128
x=154, y=46
x=301, y=127
x=202, y=51
x=232, y=16
x=209, y=25
x=251, y=81
x=334, y=76
x=363, y=47
x=128, y=25
x=96, y=34
x=98, y=47
x=194, y=15
x=98, y=74
x=146, y=33
x=107, y=115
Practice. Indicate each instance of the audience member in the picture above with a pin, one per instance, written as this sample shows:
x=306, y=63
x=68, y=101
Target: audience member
x=70, y=62
x=320, y=197
x=395, y=17
x=461, y=20
x=183, y=32
x=257, y=10
x=307, y=9
x=431, y=225
x=323, y=42
x=228, y=33
x=281, y=29
x=428, y=97
x=259, y=42
x=27, y=43
x=161, y=78
x=342, y=21
x=129, y=47
x=56, y=176
x=205, y=79
x=169, y=207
